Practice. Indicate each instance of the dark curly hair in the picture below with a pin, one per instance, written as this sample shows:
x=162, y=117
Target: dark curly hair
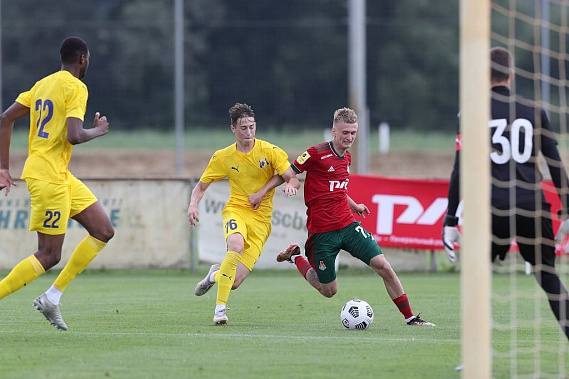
x=239, y=111
x=71, y=49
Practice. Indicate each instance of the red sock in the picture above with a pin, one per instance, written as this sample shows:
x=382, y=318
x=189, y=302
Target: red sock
x=402, y=303
x=302, y=265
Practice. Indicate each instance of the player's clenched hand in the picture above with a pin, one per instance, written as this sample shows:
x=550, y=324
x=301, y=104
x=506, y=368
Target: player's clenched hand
x=256, y=199
x=193, y=215
x=6, y=181
x=289, y=190
x=101, y=123
x=562, y=232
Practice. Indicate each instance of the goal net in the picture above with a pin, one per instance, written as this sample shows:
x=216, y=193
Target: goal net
x=526, y=339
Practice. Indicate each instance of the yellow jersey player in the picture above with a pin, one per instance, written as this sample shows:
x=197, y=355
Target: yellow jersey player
x=249, y=164
x=56, y=105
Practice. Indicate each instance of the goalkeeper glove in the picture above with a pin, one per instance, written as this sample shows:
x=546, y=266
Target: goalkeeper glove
x=450, y=236
x=563, y=229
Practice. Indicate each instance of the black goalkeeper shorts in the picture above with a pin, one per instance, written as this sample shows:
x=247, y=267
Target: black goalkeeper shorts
x=533, y=234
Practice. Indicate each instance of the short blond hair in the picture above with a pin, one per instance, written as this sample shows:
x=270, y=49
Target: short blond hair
x=345, y=115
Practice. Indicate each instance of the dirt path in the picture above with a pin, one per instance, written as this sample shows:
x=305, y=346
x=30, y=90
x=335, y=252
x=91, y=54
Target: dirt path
x=157, y=163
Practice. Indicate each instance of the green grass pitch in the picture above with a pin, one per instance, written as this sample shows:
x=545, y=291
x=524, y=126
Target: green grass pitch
x=148, y=324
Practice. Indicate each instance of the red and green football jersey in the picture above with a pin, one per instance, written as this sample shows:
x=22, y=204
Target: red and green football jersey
x=325, y=187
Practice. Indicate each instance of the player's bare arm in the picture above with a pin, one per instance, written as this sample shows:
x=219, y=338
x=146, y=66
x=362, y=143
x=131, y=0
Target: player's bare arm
x=256, y=198
x=360, y=209
x=292, y=183
x=14, y=112
x=290, y=189
x=76, y=134
x=197, y=195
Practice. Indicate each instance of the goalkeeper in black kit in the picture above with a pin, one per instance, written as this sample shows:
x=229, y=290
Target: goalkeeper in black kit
x=519, y=132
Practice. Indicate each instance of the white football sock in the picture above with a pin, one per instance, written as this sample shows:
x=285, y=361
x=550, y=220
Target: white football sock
x=211, y=277
x=219, y=307
x=53, y=295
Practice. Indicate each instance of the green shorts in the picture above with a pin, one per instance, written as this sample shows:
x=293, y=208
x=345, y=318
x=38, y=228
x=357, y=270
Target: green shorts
x=322, y=249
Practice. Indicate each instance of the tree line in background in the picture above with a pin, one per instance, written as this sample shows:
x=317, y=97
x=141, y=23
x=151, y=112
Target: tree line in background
x=288, y=59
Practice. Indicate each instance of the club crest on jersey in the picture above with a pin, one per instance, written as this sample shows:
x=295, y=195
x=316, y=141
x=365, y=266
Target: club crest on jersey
x=303, y=157
x=263, y=162
x=321, y=266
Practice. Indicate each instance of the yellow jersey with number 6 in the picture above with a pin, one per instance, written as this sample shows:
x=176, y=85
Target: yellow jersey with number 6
x=51, y=101
x=248, y=173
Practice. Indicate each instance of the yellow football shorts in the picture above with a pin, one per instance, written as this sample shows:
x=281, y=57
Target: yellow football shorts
x=254, y=232
x=54, y=204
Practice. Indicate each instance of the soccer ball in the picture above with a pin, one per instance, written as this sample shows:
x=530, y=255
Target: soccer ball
x=356, y=314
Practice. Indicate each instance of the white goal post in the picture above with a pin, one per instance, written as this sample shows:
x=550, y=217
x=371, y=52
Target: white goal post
x=475, y=188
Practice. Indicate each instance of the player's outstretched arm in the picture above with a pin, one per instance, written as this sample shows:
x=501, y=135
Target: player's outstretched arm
x=197, y=195
x=14, y=112
x=292, y=183
x=76, y=134
x=450, y=234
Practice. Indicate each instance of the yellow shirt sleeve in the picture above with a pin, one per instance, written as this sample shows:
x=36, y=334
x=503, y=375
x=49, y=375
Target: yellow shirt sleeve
x=280, y=159
x=215, y=170
x=25, y=98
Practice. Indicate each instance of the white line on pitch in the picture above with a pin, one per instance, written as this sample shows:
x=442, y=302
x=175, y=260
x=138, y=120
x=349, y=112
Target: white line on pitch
x=239, y=335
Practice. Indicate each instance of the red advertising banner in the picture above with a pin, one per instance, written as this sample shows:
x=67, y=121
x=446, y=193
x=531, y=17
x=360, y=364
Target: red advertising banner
x=408, y=213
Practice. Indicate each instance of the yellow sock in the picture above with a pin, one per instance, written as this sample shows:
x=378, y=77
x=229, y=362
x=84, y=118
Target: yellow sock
x=226, y=276
x=81, y=257
x=24, y=273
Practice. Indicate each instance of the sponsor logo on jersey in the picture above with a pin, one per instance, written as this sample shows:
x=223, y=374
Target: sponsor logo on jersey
x=331, y=169
x=336, y=184
x=322, y=266
x=303, y=157
x=326, y=156
x=263, y=162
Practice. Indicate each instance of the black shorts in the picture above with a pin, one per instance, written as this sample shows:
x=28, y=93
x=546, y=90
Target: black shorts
x=534, y=247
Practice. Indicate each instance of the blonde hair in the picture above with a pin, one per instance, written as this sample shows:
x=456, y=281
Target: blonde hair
x=345, y=115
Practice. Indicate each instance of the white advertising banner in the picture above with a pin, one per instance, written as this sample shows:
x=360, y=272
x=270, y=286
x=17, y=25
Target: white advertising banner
x=149, y=217
x=289, y=225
